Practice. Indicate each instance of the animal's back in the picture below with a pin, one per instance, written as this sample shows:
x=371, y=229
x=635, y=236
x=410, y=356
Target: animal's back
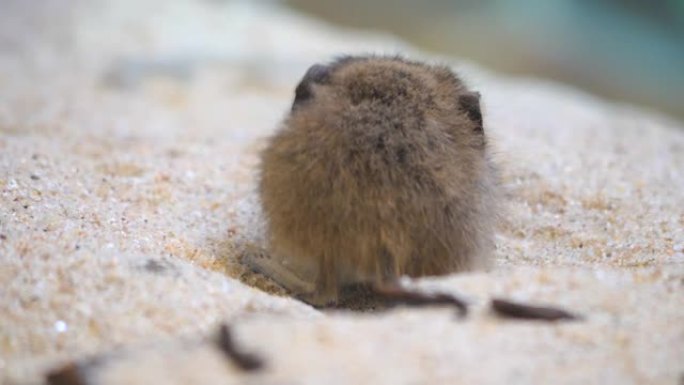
x=379, y=172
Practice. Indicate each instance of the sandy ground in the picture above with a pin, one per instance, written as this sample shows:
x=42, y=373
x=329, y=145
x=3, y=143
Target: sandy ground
x=129, y=139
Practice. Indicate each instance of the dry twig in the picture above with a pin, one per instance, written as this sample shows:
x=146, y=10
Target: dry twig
x=394, y=294
x=509, y=309
x=245, y=361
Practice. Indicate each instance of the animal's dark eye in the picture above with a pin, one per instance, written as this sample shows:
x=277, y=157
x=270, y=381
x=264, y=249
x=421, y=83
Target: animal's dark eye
x=470, y=103
x=317, y=73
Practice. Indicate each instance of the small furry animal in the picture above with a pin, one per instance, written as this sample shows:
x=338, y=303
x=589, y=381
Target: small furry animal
x=380, y=170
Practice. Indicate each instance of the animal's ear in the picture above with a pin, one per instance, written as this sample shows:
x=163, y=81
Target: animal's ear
x=470, y=103
x=317, y=73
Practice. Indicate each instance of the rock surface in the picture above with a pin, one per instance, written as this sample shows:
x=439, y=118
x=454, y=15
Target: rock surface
x=129, y=139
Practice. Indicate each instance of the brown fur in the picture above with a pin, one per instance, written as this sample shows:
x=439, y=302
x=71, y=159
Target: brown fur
x=380, y=170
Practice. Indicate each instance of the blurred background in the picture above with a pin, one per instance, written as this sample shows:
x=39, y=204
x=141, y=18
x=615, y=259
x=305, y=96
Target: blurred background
x=625, y=50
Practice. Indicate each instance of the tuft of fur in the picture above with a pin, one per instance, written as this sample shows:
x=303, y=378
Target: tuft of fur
x=380, y=170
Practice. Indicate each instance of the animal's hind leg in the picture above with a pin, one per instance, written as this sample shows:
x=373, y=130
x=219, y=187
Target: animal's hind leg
x=278, y=269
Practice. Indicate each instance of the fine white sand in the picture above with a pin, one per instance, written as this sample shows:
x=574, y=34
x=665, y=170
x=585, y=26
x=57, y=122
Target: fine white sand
x=129, y=140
